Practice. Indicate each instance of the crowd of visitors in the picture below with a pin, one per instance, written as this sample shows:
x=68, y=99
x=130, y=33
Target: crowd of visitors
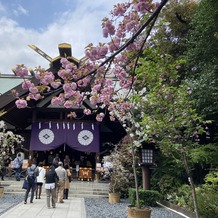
x=56, y=180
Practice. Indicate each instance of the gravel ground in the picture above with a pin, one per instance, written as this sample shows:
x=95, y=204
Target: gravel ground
x=8, y=201
x=99, y=207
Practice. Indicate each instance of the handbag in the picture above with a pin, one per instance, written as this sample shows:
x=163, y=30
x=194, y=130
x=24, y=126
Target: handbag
x=25, y=184
x=69, y=178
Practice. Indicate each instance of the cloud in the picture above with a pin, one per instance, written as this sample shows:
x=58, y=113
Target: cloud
x=79, y=26
x=2, y=8
x=20, y=11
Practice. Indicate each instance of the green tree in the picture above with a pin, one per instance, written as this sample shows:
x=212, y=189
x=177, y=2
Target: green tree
x=167, y=114
x=171, y=30
x=203, y=56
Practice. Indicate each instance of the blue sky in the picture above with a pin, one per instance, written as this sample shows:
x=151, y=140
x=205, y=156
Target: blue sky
x=45, y=24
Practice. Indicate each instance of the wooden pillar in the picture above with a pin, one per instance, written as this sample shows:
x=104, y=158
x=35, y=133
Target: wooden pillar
x=145, y=177
x=34, y=118
x=97, y=158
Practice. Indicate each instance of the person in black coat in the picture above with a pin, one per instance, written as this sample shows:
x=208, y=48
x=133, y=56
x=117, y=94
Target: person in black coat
x=51, y=180
x=32, y=172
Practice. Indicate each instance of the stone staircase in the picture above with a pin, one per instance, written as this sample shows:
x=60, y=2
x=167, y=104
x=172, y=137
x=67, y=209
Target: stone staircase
x=83, y=189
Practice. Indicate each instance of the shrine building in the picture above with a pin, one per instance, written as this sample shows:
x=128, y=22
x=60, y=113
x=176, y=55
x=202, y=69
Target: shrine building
x=48, y=130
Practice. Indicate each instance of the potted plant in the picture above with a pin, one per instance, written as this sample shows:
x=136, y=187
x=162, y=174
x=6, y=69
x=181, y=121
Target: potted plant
x=138, y=208
x=148, y=199
x=120, y=172
x=7, y=142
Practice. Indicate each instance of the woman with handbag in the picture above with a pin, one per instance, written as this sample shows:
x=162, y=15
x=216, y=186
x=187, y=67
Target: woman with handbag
x=51, y=179
x=40, y=180
x=67, y=182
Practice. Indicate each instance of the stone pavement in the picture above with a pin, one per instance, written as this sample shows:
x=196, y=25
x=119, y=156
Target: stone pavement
x=71, y=208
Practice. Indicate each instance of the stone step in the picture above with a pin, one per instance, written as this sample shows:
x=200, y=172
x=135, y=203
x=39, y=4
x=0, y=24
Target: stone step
x=77, y=188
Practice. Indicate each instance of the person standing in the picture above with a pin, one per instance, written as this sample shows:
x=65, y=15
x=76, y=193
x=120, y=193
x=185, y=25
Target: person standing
x=50, y=158
x=67, y=182
x=18, y=162
x=62, y=175
x=66, y=160
x=56, y=160
x=40, y=180
x=32, y=172
x=50, y=182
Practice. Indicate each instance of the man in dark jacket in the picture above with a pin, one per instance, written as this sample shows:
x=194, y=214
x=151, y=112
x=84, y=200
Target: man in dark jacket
x=51, y=180
x=32, y=172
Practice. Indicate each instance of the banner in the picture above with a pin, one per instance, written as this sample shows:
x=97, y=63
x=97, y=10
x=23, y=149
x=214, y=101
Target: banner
x=79, y=136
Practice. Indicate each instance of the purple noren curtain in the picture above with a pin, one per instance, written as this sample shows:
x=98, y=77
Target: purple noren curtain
x=79, y=136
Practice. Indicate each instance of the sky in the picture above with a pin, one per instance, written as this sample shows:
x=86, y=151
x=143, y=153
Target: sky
x=45, y=24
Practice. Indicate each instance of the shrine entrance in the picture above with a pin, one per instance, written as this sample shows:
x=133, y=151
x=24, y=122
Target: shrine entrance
x=79, y=160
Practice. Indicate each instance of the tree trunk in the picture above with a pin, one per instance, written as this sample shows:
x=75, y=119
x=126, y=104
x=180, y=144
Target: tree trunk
x=135, y=176
x=192, y=184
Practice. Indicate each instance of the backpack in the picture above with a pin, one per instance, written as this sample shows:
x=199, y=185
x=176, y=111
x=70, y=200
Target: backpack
x=31, y=177
x=17, y=163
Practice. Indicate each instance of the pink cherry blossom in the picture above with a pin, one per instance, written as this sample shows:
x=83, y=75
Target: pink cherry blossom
x=21, y=71
x=26, y=84
x=64, y=62
x=21, y=103
x=142, y=6
x=55, y=84
x=119, y=9
x=33, y=89
x=47, y=78
x=111, y=29
x=57, y=101
x=67, y=87
x=105, y=32
x=68, y=104
x=87, y=111
x=35, y=96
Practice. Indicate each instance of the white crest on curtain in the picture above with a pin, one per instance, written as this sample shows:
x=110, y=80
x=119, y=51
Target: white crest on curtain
x=50, y=125
x=68, y=126
x=93, y=127
x=63, y=125
x=74, y=126
x=57, y=125
x=40, y=126
x=81, y=125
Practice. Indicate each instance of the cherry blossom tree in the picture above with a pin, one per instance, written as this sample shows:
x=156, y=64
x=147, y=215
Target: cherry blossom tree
x=8, y=142
x=107, y=75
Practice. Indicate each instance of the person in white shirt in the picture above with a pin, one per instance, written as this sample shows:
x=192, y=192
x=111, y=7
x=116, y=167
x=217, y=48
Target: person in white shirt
x=18, y=162
x=62, y=175
x=40, y=180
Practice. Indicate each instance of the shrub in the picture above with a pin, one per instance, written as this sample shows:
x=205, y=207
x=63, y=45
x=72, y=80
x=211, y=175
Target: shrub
x=208, y=196
x=147, y=197
x=168, y=184
x=182, y=197
x=207, y=203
